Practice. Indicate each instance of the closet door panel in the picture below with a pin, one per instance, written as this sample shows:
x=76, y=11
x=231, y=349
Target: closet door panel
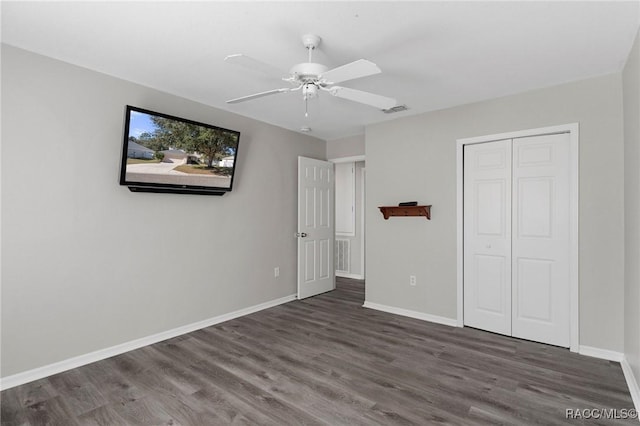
x=540, y=246
x=487, y=236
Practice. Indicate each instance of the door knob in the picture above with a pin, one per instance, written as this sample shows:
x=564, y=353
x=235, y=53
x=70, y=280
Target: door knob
x=301, y=234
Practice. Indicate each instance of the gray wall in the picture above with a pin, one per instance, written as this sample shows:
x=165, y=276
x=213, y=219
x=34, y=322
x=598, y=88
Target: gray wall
x=345, y=147
x=86, y=264
x=413, y=158
x=631, y=95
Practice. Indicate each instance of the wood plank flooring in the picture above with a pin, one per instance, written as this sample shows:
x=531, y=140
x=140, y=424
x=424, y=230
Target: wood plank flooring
x=326, y=360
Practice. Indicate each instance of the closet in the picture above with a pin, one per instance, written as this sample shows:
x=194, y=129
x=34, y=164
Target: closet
x=516, y=237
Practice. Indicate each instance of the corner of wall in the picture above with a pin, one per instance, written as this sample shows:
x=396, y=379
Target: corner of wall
x=631, y=114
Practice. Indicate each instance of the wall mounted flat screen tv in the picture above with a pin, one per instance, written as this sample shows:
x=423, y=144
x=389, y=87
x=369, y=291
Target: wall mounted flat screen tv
x=163, y=153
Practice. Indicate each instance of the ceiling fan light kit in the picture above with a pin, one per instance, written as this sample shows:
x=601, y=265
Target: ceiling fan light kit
x=312, y=77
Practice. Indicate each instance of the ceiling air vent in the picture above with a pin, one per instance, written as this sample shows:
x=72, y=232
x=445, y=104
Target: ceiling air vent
x=398, y=108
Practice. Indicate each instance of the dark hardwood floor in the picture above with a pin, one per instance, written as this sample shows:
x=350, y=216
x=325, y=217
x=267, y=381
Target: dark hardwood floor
x=326, y=360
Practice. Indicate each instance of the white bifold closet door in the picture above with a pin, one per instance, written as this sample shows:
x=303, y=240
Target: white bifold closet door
x=516, y=238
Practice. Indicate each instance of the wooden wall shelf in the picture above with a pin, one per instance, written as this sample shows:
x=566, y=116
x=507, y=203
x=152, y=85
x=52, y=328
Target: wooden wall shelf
x=406, y=211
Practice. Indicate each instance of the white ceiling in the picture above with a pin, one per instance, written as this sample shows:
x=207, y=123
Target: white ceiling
x=433, y=55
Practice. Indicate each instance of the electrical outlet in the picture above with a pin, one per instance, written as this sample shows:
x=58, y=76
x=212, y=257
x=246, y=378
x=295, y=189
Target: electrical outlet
x=276, y=271
x=412, y=280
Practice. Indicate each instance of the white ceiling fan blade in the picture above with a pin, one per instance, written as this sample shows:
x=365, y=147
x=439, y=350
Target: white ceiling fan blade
x=380, y=102
x=258, y=95
x=254, y=64
x=356, y=69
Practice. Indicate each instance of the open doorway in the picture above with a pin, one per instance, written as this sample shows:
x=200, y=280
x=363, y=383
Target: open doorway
x=350, y=177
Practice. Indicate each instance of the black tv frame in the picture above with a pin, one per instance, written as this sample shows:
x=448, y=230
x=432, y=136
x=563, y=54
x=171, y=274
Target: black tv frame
x=168, y=188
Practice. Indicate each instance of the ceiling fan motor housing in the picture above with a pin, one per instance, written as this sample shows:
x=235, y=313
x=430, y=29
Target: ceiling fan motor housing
x=308, y=72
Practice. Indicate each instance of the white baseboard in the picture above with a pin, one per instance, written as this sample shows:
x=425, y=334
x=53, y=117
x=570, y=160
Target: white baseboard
x=412, y=314
x=632, y=382
x=78, y=361
x=347, y=275
x=600, y=353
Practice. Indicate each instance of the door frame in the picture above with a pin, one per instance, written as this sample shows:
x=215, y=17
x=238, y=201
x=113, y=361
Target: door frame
x=363, y=182
x=574, y=178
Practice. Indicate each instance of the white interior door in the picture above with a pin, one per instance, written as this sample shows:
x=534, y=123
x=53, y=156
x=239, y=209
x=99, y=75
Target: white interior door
x=487, y=236
x=315, y=227
x=540, y=247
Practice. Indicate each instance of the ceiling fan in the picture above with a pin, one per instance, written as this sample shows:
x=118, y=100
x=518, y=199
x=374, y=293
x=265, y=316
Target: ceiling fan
x=311, y=78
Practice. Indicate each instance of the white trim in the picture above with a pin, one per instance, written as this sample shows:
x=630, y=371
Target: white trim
x=347, y=159
x=348, y=275
x=412, y=314
x=362, y=219
x=574, y=179
x=460, y=232
x=551, y=130
x=634, y=388
x=632, y=383
x=601, y=353
x=78, y=361
x=574, y=235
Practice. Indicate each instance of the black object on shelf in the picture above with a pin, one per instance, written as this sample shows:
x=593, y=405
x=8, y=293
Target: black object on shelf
x=408, y=203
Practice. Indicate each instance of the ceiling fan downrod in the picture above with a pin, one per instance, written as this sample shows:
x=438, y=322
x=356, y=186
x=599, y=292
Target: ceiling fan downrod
x=311, y=41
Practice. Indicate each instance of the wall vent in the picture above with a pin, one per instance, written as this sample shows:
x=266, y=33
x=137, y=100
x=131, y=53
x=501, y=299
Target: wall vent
x=343, y=261
x=397, y=108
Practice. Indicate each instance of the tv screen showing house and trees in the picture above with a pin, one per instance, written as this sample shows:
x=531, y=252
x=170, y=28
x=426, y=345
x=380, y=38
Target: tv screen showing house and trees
x=166, y=150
